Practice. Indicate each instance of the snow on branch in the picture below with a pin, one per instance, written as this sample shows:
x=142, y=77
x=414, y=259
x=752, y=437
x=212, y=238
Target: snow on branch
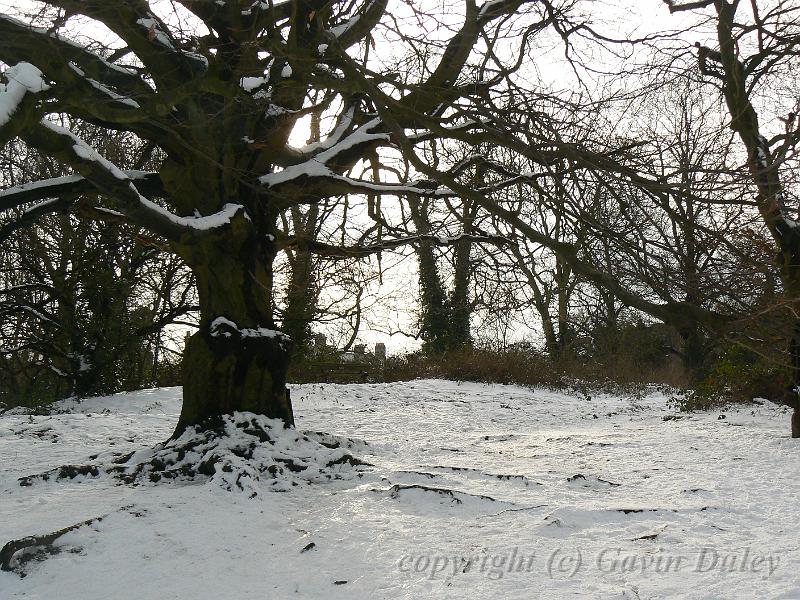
x=144, y=34
x=112, y=95
x=84, y=84
x=493, y=8
x=319, y=166
x=37, y=314
x=23, y=78
x=199, y=223
x=345, y=122
x=158, y=32
x=23, y=42
x=333, y=184
x=115, y=183
x=67, y=185
x=359, y=25
x=85, y=152
x=32, y=214
x=317, y=169
x=360, y=136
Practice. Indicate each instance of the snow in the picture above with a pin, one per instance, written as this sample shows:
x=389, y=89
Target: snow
x=339, y=30
x=488, y=7
x=790, y=223
x=218, y=219
x=332, y=147
x=224, y=327
x=81, y=48
x=248, y=84
x=154, y=32
x=39, y=205
x=113, y=95
x=85, y=151
x=57, y=371
x=84, y=363
x=197, y=57
x=102, y=88
x=55, y=181
x=359, y=136
x=23, y=78
x=38, y=314
x=476, y=491
x=311, y=168
x=274, y=110
x=334, y=137
x=286, y=71
x=76, y=68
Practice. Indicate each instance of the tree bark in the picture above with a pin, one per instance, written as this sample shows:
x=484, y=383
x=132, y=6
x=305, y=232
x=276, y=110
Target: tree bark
x=434, y=323
x=302, y=295
x=459, y=304
x=236, y=361
x=301, y=302
x=237, y=373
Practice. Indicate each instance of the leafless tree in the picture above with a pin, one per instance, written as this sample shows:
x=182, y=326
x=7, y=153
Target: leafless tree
x=218, y=88
x=755, y=53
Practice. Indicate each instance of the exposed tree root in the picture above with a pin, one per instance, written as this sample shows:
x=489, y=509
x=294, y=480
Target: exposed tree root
x=236, y=452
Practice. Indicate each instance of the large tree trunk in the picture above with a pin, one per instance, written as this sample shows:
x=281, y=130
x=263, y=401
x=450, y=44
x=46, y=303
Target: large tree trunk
x=237, y=373
x=236, y=361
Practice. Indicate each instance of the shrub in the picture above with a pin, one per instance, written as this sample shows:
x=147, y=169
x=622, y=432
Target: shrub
x=614, y=374
x=736, y=375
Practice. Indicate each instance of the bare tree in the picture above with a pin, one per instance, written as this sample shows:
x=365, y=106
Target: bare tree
x=754, y=51
x=219, y=93
x=84, y=304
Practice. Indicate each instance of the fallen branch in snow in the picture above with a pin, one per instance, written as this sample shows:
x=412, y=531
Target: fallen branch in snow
x=453, y=496
x=650, y=536
x=17, y=553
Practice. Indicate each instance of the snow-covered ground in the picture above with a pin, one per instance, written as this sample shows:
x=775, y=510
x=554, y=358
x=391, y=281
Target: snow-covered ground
x=476, y=491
